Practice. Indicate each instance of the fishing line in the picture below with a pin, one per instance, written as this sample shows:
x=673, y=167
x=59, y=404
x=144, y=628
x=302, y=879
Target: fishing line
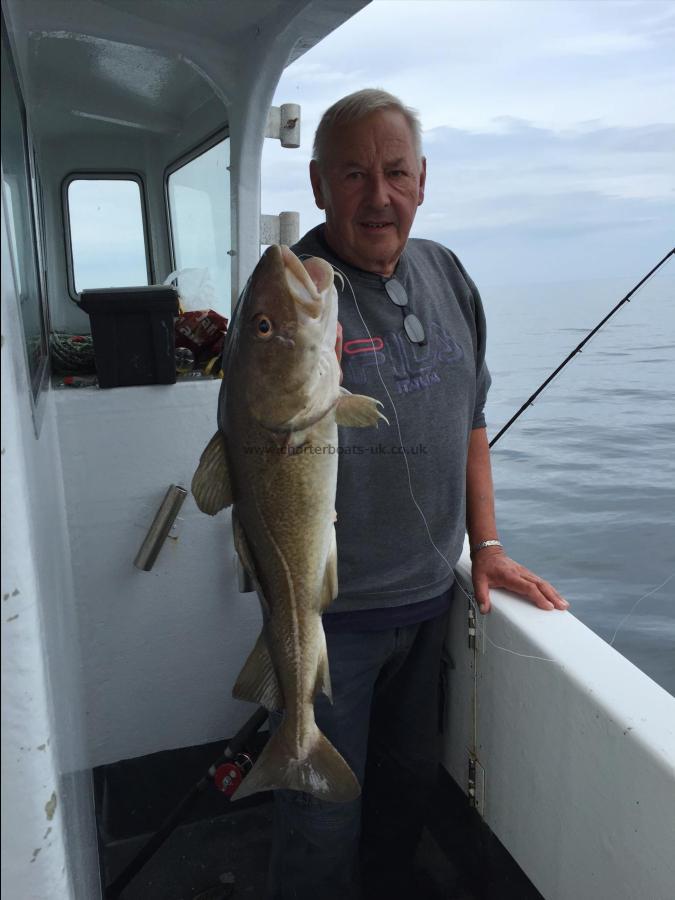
x=637, y=602
x=470, y=597
x=483, y=629
x=398, y=428
x=530, y=400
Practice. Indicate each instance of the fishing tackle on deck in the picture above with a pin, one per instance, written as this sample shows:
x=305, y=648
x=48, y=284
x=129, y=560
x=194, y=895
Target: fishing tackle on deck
x=226, y=773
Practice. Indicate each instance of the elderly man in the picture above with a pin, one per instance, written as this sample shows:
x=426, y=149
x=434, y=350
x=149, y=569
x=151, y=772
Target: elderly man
x=413, y=337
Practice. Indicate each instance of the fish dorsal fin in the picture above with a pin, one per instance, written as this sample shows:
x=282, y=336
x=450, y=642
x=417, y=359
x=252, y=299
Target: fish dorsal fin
x=357, y=410
x=211, y=485
x=258, y=682
x=246, y=559
x=329, y=590
x=323, y=684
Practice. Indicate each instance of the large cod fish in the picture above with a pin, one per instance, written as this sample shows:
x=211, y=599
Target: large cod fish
x=274, y=459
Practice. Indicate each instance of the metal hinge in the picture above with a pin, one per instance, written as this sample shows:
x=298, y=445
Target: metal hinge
x=476, y=785
x=472, y=782
x=471, y=616
x=281, y=229
x=283, y=123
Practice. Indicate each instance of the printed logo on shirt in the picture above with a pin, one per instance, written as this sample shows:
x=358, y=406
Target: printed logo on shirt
x=413, y=367
x=363, y=345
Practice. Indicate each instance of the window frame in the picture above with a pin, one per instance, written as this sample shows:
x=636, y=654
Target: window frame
x=103, y=175
x=196, y=151
x=37, y=380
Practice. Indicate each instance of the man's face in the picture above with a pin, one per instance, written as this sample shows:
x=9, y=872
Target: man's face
x=370, y=186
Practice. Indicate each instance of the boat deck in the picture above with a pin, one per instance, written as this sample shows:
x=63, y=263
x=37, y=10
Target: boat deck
x=221, y=851
x=226, y=857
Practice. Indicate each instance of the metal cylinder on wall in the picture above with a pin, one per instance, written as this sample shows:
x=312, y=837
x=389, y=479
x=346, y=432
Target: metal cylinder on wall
x=289, y=228
x=160, y=528
x=289, y=130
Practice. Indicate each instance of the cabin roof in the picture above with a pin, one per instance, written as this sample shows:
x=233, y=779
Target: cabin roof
x=91, y=65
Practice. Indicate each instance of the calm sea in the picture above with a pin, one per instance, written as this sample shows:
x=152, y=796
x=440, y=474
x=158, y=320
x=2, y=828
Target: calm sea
x=585, y=479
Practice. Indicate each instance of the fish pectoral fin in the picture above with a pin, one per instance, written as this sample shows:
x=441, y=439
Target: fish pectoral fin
x=211, y=485
x=321, y=772
x=357, y=410
x=329, y=589
x=258, y=681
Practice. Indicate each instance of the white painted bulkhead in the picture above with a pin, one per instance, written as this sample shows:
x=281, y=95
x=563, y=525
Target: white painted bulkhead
x=160, y=649
x=48, y=830
x=105, y=662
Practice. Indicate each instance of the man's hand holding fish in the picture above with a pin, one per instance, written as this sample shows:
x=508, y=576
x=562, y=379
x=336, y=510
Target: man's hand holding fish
x=348, y=531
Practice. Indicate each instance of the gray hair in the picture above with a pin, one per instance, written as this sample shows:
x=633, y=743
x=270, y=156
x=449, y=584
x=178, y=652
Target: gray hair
x=358, y=106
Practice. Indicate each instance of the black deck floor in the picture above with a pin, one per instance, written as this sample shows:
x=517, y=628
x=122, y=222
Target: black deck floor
x=226, y=857
x=221, y=851
x=228, y=853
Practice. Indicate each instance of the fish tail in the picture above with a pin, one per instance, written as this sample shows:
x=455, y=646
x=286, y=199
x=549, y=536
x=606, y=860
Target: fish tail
x=322, y=771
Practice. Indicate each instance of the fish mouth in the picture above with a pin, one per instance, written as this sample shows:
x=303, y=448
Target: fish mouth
x=294, y=265
x=307, y=280
x=303, y=290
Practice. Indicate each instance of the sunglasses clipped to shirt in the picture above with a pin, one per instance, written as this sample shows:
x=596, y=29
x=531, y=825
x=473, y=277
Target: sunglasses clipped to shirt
x=412, y=325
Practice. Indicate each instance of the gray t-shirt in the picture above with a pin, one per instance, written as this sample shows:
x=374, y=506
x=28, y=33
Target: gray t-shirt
x=385, y=555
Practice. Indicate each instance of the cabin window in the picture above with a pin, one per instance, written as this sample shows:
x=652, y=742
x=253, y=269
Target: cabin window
x=198, y=193
x=20, y=193
x=106, y=231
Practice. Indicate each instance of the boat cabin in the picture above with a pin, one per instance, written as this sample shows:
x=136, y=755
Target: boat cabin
x=132, y=138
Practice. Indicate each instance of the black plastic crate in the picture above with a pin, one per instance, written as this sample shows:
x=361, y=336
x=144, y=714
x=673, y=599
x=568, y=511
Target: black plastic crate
x=133, y=333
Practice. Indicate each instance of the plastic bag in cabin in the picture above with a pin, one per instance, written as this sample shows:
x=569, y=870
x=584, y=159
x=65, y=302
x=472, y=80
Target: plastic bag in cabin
x=195, y=289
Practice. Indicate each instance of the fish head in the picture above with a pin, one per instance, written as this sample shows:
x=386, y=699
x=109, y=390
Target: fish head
x=287, y=330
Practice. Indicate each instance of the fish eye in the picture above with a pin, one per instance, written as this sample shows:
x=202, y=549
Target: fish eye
x=263, y=326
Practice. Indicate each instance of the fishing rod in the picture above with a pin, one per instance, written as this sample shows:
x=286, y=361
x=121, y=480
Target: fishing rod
x=578, y=348
x=226, y=773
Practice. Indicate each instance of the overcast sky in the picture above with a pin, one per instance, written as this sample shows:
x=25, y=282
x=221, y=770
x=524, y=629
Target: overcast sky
x=549, y=128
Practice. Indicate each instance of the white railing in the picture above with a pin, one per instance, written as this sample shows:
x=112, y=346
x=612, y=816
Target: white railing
x=574, y=749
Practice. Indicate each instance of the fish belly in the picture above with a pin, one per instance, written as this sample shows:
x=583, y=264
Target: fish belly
x=288, y=521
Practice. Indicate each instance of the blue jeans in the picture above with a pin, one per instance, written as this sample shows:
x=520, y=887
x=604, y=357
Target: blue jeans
x=384, y=720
